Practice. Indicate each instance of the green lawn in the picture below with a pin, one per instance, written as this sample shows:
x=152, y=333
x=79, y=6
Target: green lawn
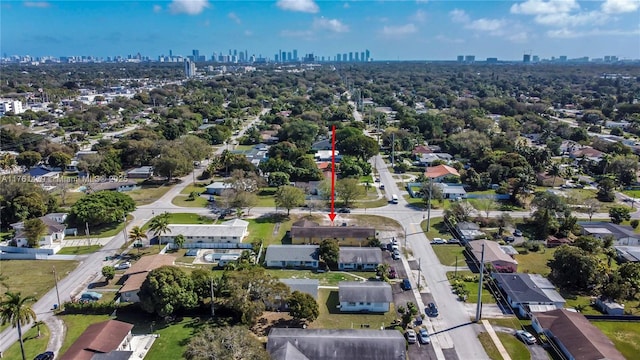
x=447, y=254
x=148, y=193
x=184, y=218
x=632, y=193
x=33, y=277
x=366, y=179
x=489, y=346
x=263, y=228
x=331, y=318
x=510, y=322
x=437, y=228
x=99, y=231
x=79, y=250
x=197, y=187
x=535, y=263
x=472, y=287
x=625, y=335
x=266, y=197
x=33, y=345
x=183, y=201
x=369, y=204
x=173, y=339
x=331, y=278
x=516, y=349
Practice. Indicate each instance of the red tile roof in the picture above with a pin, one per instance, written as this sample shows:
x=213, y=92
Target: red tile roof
x=421, y=149
x=440, y=170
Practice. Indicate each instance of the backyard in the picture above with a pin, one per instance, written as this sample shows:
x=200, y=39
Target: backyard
x=185, y=218
x=331, y=318
x=625, y=335
x=535, y=262
x=331, y=278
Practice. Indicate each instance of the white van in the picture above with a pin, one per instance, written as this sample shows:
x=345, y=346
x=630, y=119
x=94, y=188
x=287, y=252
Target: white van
x=394, y=199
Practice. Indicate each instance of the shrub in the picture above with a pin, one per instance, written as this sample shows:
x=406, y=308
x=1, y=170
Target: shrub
x=92, y=308
x=634, y=223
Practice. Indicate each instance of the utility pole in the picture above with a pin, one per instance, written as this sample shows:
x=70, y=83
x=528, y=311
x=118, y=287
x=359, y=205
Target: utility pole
x=213, y=311
x=55, y=279
x=429, y=205
x=124, y=219
x=419, y=271
x=479, y=307
x=393, y=148
x=86, y=232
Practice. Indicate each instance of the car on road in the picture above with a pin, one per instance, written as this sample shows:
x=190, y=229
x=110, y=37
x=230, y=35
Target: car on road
x=45, y=356
x=344, y=211
x=438, y=241
x=381, y=186
x=423, y=336
x=509, y=239
x=526, y=337
x=431, y=309
x=517, y=232
x=123, y=265
x=377, y=179
x=406, y=284
x=411, y=336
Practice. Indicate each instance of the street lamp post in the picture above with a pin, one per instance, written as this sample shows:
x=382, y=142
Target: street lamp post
x=55, y=279
x=124, y=219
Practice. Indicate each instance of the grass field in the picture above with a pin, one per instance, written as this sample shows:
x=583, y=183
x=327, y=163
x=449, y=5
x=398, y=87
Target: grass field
x=516, y=349
x=489, y=346
x=183, y=201
x=79, y=250
x=535, y=263
x=173, y=339
x=437, y=229
x=331, y=318
x=447, y=254
x=264, y=228
x=625, y=335
x=197, y=187
x=147, y=194
x=331, y=278
x=33, y=345
x=266, y=197
x=33, y=277
x=472, y=287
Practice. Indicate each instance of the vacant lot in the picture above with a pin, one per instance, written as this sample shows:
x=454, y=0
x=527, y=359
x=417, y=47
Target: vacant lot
x=33, y=277
x=147, y=194
x=449, y=254
x=437, y=229
x=185, y=218
x=625, y=335
x=271, y=228
x=184, y=201
x=331, y=318
x=79, y=250
x=535, y=262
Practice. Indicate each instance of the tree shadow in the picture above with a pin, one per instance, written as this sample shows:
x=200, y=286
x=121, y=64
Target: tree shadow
x=272, y=218
x=333, y=300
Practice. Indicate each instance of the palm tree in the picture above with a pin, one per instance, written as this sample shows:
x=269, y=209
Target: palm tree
x=179, y=240
x=554, y=171
x=137, y=234
x=160, y=225
x=37, y=324
x=15, y=310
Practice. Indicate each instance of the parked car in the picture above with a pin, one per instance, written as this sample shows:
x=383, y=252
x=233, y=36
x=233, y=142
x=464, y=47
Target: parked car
x=90, y=296
x=377, y=179
x=123, y=265
x=526, y=337
x=438, y=241
x=395, y=256
x=381, y=186
x=517, y=232
x=392, y=273
x=431, y=309
x=411, y=336
x=423, y=336
x=453, y=241
x=406, y=284
x=509, y=239
x=344, y=211
x=45, y=356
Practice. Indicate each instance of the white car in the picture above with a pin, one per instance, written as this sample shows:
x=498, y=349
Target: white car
x=526, y=337
x=411, y=336
x=438, y=241
x=123, y=265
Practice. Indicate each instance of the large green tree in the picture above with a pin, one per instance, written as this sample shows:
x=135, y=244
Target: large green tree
x=574, y=269
x=225, y=343
x=349, y=190
x=303, y=307
x=28, y=159
x=34, y=229
x=59, y=159
x=109, y=272
x=330, y=252
x=619, y=213
x=103, y=207
x=16, y=311
x=167, y=290
x=289, y=197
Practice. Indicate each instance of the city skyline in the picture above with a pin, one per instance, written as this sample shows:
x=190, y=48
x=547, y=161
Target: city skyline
x=406, y=30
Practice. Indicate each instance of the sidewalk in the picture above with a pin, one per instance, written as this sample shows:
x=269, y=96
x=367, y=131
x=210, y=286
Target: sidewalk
x=496, y=340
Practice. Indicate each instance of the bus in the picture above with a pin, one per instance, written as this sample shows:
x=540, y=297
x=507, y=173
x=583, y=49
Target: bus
x=394, y=199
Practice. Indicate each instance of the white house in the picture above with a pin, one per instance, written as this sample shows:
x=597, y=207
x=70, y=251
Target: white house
x=202, y=235
x=359, y=258
x=368, y=296
x=52, y=238
x=293, y=256
x=216, y=188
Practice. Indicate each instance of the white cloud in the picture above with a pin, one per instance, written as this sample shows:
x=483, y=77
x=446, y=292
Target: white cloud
x=333, y=25
x=37, y=4
x=234, y=17
x=399, y=30
x=566, y=19
x=419, y=16
x=459, y=16
x=518, y=37
x=346, y=5
x=565, y=33
x=308, y=6
x=189, y=7
x=537, y=7
x=483, y=24
x=620, y=6
x=248, y=33
x=157, y=8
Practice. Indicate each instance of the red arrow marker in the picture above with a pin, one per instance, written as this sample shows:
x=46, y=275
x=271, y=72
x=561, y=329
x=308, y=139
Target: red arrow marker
x=332, y=215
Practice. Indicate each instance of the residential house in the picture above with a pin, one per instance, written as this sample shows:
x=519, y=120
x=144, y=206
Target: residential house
x=137, y=273
x=204, y=235
x=119, y=186
x=309, y=232
x=367, y=296
x=628, y=253
x=335, y=344
x=359, y=258
x=321, y=145
x=43, y=174
x=309, y=187
x=269, y=136
x=293, y=256
x=469, y=231
x=421, y=149
x=452, y=191
x=440, y=173
x=217, y=188
x=553, y=241
x=143, y=172
x=54, y=235
x=586, y=152
x=327, y=155
x=576, y=337
x=305, y=286
x=527, y=293
x=609, y=306
x=111, y=337
x=622, y=234
x=493, y=255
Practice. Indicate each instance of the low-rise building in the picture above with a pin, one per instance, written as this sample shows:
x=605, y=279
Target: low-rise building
x=55, y=231
x=217, y=188
x=204, y=235
x=137, y=273
x=119, y=186
x=528, y=293
x=440, y=173
x=143, y=172
x=309, y=232
x=622, y=234
x=493, y=255
x=359, y=258
x=109, y=339
x=292, y=256
x=367, y=296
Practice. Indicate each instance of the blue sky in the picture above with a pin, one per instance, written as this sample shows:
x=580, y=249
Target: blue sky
x=391, y=30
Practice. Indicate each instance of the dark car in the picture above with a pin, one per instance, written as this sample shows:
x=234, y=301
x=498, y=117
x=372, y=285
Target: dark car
x=344, y=211
x=392, y=273
x=517, y=232
x=45, y=356
x=406, y=284
x=509, y=239
x=431, y=309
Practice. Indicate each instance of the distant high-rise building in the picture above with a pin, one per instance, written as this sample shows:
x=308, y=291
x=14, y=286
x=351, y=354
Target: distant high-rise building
x=350, y=56
x=357, y=57
x=367, y=55
x=189, y=68
x=460, y=58
x=289, y=56
x=338, y=57
x=195, y=54
x=563, y=58
x=362, y=56
x=470, y=58
x=295, y=55
x=492, y=60
x=170, y=53
x=526, y=58
x=344, y=57
x=536, y=58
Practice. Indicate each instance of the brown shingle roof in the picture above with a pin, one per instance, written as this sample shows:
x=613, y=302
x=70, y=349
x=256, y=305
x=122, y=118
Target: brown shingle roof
x=583, y=340
x=492, y=251
x=98, y=338
x=330, y=232
x=148, y=263
x=134, y=282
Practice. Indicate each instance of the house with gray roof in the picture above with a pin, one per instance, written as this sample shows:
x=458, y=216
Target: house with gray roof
x=292, y=256
x=336, y=344
x=305, y=286
x=367, y=296
x=623, y=235
x=216, y=188
x=359, y=258
x=529, y=293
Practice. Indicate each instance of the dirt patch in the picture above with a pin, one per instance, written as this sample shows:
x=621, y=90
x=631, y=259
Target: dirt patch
x=271, y=319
